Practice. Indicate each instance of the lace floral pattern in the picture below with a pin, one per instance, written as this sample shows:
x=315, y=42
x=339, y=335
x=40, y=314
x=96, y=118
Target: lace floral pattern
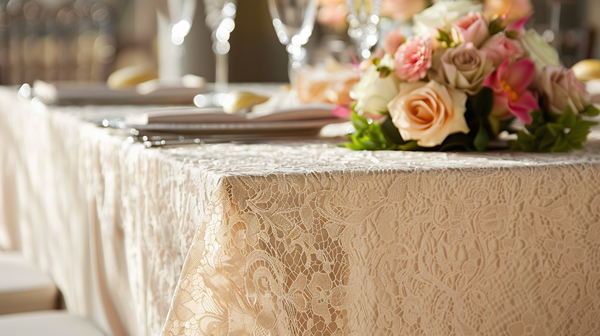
x=311, y=239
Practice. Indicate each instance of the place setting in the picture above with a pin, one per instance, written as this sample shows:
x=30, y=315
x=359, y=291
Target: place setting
x=209, y=112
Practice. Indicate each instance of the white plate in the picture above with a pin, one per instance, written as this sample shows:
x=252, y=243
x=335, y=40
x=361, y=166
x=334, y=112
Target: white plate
x=97, y=93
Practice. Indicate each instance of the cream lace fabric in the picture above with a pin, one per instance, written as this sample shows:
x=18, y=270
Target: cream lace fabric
x=302, y=239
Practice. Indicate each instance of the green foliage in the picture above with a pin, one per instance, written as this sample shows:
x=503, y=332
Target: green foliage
x=369, y=136
x=446, y=39
x=384, y=71
x=482, y=122
x=481, y=139
x=496, y=26
x=551, y=133
x=483, y=103
x=512, y=34
x=591, y=110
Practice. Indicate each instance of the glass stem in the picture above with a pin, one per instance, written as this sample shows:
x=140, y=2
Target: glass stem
x=297, y=58
x=222, y=72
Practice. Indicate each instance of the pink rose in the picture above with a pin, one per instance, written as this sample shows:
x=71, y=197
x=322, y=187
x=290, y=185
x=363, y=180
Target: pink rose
x=413, y=58
x=560, y=89
x=392, y=40
x=470, y=28
x=511, y=96
x=500, y=48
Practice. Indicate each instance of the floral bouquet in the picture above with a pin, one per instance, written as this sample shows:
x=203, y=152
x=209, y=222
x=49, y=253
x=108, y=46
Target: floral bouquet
x=461, y=81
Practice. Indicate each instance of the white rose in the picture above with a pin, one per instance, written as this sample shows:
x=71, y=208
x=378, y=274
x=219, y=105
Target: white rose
x=373, y=92
x=429, y=112
x=442, y=15
x=539, y=51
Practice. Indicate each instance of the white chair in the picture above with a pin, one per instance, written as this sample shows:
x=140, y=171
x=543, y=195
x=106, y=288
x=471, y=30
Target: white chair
x=24, y=287
x=48, y=323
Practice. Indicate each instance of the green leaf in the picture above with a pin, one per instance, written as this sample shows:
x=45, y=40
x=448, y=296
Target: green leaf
x=384, y=71
x=495, y=124
x=444, y=37
x=555, y=128
x=481, y=139
x=483, y=103
x=568, y=118
x=391, y=132
x=561, y=145
x=457, y=141
x=411, y=146
x=541, y=132
x=497, y=25
x=376, y=61
x=548, y=140
x=512, y=34
x=360, y=123
x=591, y=110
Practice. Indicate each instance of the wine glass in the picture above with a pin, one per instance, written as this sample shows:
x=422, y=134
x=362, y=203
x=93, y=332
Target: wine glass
x=220, y=18
x=177, y=17
x=294, y=21
x=363, y=19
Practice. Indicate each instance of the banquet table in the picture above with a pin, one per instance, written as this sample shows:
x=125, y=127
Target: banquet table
x=299, y=238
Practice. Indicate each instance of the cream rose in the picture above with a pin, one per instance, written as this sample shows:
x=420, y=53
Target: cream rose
x=373, y=92
x=560, y=89
x=428, y=112
x=442, y=15
x=539, y=51
x=464, y=67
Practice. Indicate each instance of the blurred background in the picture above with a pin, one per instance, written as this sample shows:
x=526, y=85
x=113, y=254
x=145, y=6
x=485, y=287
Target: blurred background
x=89, y=39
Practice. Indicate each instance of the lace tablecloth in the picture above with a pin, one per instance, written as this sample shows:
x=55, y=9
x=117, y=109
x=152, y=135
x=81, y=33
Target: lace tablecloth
x=301, y=239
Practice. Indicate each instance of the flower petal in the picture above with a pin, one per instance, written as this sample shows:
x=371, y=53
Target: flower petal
x=523, y=106
x=519, y=75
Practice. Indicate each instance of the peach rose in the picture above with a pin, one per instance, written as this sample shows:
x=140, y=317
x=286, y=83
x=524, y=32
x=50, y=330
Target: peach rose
x=499, y=48
x=401, y=10
x=516, y=9
x=560, y=89
x=470, y=28
x=428, y=112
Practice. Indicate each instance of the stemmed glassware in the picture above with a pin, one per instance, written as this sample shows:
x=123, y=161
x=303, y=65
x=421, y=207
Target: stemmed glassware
x=178, y=16
x=294, y=21
x=220, y=18
x=363, y=19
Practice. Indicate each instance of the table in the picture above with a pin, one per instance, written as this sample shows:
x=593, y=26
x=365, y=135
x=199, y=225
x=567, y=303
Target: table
x=303, y=238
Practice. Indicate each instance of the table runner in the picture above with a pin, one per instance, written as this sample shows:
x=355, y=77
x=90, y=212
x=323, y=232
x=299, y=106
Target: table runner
x=301, y=239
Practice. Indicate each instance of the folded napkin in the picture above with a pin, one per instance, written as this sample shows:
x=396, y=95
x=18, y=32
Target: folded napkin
x=194, y=115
